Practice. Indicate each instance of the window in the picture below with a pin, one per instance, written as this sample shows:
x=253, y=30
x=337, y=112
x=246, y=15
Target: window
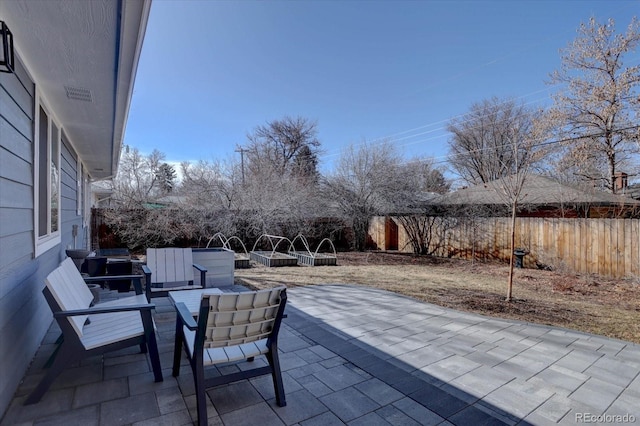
x=47, y=191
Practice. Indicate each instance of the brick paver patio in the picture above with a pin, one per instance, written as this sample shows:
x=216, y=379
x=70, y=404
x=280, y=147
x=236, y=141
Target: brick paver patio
x=360, y=356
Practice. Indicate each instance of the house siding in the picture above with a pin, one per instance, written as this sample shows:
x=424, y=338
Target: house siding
x=68, y=198
x=24, y=314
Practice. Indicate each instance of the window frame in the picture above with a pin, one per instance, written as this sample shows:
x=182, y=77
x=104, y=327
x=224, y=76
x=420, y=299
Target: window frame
x=84, y=203
x=79, y=187
x=49, y=239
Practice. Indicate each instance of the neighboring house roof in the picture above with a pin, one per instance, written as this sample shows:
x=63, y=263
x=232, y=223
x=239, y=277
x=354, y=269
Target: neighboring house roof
x=101, y=193
x=102, y=187
x=537, y=190
x=83, y=56
x=424, y=197
x=420, y=201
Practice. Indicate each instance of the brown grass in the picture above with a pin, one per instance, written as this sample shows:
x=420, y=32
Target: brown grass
x=586, y=303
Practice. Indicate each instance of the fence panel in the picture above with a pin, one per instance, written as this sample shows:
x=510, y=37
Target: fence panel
x=608, y=247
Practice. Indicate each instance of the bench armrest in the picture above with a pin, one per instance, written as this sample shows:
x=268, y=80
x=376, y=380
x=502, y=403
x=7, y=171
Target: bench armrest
x=200, y=267
x=185, y=316
x=203, y=274
x=105, y=310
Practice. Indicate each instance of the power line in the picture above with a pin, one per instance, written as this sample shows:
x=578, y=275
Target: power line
x=393, y=137
x=444, y=159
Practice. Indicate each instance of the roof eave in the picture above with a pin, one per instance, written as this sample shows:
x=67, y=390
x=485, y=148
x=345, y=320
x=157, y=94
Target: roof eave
x=134, y=18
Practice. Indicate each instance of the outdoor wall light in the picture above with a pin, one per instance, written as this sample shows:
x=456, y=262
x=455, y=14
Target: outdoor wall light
x=7, y=58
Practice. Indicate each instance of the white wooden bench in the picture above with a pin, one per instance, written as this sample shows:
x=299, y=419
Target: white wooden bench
x=92, y=330
x=170, y=269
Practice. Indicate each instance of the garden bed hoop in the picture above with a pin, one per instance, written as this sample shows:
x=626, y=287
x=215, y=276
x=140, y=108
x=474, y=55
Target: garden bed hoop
x=241, y=259
x=308, y=258
x=274, y=257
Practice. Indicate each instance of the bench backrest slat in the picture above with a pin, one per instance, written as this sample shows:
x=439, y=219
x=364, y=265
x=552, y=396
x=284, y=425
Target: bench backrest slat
x=169, y=265
x=70, y=291
x=236, y=318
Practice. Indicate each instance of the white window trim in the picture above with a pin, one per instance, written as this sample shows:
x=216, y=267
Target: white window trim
x=86, y=222
x=79, y=187
x=46, y=242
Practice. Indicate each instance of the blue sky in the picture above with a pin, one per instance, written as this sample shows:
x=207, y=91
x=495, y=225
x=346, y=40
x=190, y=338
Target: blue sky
x=211, y=71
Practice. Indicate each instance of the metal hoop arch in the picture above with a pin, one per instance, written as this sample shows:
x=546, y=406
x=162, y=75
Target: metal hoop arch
x=330, y=243
x=220, y=236
x=271, y=239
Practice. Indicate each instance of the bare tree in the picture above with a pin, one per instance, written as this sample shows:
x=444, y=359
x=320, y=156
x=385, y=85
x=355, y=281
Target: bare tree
x=214, y=185
x=277, y=194
x=599, y=105
x=424, y=176
x=137, y=179
x=276, y=204
x=213, y=192
x=427, y=233
x=495, y=144
x=480, y=148
x=288, y=146
x=136, y=217
x=144, y=227
x=416, y=183
x=264, y=202
x=510, y=189
x=280, y=176
x=364, y=185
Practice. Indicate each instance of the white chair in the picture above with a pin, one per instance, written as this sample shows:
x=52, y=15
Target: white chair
x=89, y=331
x=231, y=327
x=170, y=269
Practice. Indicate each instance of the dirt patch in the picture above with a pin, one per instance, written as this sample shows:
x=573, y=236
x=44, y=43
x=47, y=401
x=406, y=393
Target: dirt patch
x=581, y=302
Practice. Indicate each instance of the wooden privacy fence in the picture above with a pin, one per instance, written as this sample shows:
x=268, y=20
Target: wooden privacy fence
x=607, y=247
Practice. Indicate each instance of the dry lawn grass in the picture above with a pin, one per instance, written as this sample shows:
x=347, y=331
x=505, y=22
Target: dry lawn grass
x=586, y=303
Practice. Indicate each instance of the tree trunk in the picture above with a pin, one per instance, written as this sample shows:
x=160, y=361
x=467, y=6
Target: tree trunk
x=611, y=156
x=512, y=247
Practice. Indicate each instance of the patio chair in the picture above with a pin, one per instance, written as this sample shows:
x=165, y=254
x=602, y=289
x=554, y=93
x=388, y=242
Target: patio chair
x=93, y=330
x=231, y=327
x=171, y=269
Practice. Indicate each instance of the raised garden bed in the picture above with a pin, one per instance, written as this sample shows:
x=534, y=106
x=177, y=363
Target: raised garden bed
x=273, y=259
x=304, y=258
x=242, y=261
x=307, y=258
x=219, y=262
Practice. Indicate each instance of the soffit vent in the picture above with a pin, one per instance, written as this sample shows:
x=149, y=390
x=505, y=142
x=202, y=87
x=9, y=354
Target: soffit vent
x=78, y=94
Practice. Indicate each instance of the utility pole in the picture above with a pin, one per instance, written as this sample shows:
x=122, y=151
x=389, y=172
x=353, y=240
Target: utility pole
x=241, y=151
